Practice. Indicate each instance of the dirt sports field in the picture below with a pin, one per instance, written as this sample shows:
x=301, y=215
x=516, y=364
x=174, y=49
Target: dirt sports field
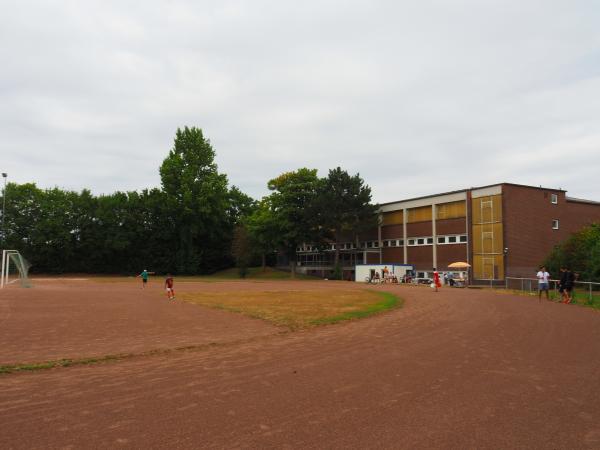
x=455, y=369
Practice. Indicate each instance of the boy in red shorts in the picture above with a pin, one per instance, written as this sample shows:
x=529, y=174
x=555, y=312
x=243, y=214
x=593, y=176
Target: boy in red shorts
x=169, y=287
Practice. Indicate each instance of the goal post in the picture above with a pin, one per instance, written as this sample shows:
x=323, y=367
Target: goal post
x=14, y=268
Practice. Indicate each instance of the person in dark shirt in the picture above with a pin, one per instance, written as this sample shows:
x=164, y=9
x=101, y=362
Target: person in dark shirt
x=567, y=280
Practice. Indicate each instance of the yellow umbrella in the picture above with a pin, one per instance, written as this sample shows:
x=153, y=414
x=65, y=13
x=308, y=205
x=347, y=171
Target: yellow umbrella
x=459, y=265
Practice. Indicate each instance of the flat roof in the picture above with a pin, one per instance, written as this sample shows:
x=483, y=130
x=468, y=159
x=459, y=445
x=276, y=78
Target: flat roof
x=476, y=187
x=580, y=200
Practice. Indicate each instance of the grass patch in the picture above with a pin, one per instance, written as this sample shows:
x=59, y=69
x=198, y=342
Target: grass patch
x=31, y=367
x=299, y=309
x=36, y=366
x=580, y=297
x=254, y=273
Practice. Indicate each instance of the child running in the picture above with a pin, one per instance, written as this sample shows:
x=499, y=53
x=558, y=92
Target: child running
x=169, y=287
x=436, y=279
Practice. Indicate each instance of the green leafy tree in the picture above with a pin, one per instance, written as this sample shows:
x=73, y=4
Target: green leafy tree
x=242, y=250
x=198, y=197
x=263, y=230
x=240, y=207
x=294, y=194
x=580, y=252
x=344, y=208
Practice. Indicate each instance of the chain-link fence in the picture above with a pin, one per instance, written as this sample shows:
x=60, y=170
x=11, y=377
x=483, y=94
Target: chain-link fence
x=585, y=292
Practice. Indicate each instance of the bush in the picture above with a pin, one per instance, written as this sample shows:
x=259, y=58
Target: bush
x=580, y=252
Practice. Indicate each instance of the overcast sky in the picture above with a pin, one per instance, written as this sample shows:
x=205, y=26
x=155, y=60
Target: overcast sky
x=419, y=97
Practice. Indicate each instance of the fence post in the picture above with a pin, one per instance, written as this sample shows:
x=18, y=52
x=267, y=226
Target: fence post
x=590, y=300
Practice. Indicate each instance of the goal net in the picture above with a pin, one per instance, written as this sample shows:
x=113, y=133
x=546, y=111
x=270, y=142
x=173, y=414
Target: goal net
x=15, y=269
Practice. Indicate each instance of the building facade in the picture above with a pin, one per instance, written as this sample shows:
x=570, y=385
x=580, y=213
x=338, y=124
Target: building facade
x=501, y=230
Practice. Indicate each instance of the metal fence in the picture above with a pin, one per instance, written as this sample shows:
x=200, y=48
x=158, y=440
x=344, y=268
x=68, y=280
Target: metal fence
x=587, y=290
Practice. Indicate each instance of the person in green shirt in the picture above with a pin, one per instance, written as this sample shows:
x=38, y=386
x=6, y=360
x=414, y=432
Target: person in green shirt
x=144, y=277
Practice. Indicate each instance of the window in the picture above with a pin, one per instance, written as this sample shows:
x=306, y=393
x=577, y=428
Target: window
x=393, y=243
x=411, y=242
x=401, y=242
x=452, y=239
x=555, y=224
x=430, y=240
x=375, y=244
x=421, y=241
x=441, y=239
x=463, y=238
x=554, y=199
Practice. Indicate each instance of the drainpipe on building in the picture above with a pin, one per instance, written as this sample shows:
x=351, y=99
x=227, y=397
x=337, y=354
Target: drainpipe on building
x=380, y=245
x=405, y=248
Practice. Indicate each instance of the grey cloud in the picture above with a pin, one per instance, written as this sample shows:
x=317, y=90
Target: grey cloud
x=417, y=97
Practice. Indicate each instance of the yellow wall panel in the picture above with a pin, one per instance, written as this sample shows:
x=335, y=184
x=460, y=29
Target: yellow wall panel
x=422, y=214
x=487, y=238
x=393, y=218
x=451, y=210
x=486, y=267
x=487, y=209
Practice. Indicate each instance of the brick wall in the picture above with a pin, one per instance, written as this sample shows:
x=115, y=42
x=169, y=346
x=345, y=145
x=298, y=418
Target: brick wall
x=421, y=257
x=391, y=232
x=419, y=229
x=447, y=254
x=393, y=255
x=528, y=233
x=451, y=226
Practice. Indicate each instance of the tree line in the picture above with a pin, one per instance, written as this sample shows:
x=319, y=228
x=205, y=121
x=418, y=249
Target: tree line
x=195, y=223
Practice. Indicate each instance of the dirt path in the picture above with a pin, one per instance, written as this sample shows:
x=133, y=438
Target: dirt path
x=456, y=369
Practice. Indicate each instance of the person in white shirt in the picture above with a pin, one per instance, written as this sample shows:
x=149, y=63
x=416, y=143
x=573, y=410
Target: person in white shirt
x=543, y=283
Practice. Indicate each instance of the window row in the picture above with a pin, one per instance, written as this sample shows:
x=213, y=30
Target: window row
x=412, y=242
x=343, y=246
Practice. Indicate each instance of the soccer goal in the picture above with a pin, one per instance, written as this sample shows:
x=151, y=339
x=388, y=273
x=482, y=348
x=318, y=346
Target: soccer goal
x=15, y=268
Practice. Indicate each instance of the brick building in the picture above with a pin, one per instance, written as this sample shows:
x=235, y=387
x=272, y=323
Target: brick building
x=501, y=230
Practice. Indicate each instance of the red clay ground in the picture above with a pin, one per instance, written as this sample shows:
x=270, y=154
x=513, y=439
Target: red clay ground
x=456, y=369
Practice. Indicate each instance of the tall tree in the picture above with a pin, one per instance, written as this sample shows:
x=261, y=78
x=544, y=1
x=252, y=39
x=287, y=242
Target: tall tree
x=199, y=198
x=291, y=201
x=241, y=249
x=240, y=207
x=344, y=207
x=263, y=230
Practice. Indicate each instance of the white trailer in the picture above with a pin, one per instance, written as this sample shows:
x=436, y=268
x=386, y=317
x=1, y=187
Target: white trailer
x=364, y=272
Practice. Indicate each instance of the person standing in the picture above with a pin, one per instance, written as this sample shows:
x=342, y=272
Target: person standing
x=543, y=283
x=561, y=283
x=144, y=277
x=568, y=285
x=385, y=272
x=169, y=287
x=451, y=278
x=436, y=279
